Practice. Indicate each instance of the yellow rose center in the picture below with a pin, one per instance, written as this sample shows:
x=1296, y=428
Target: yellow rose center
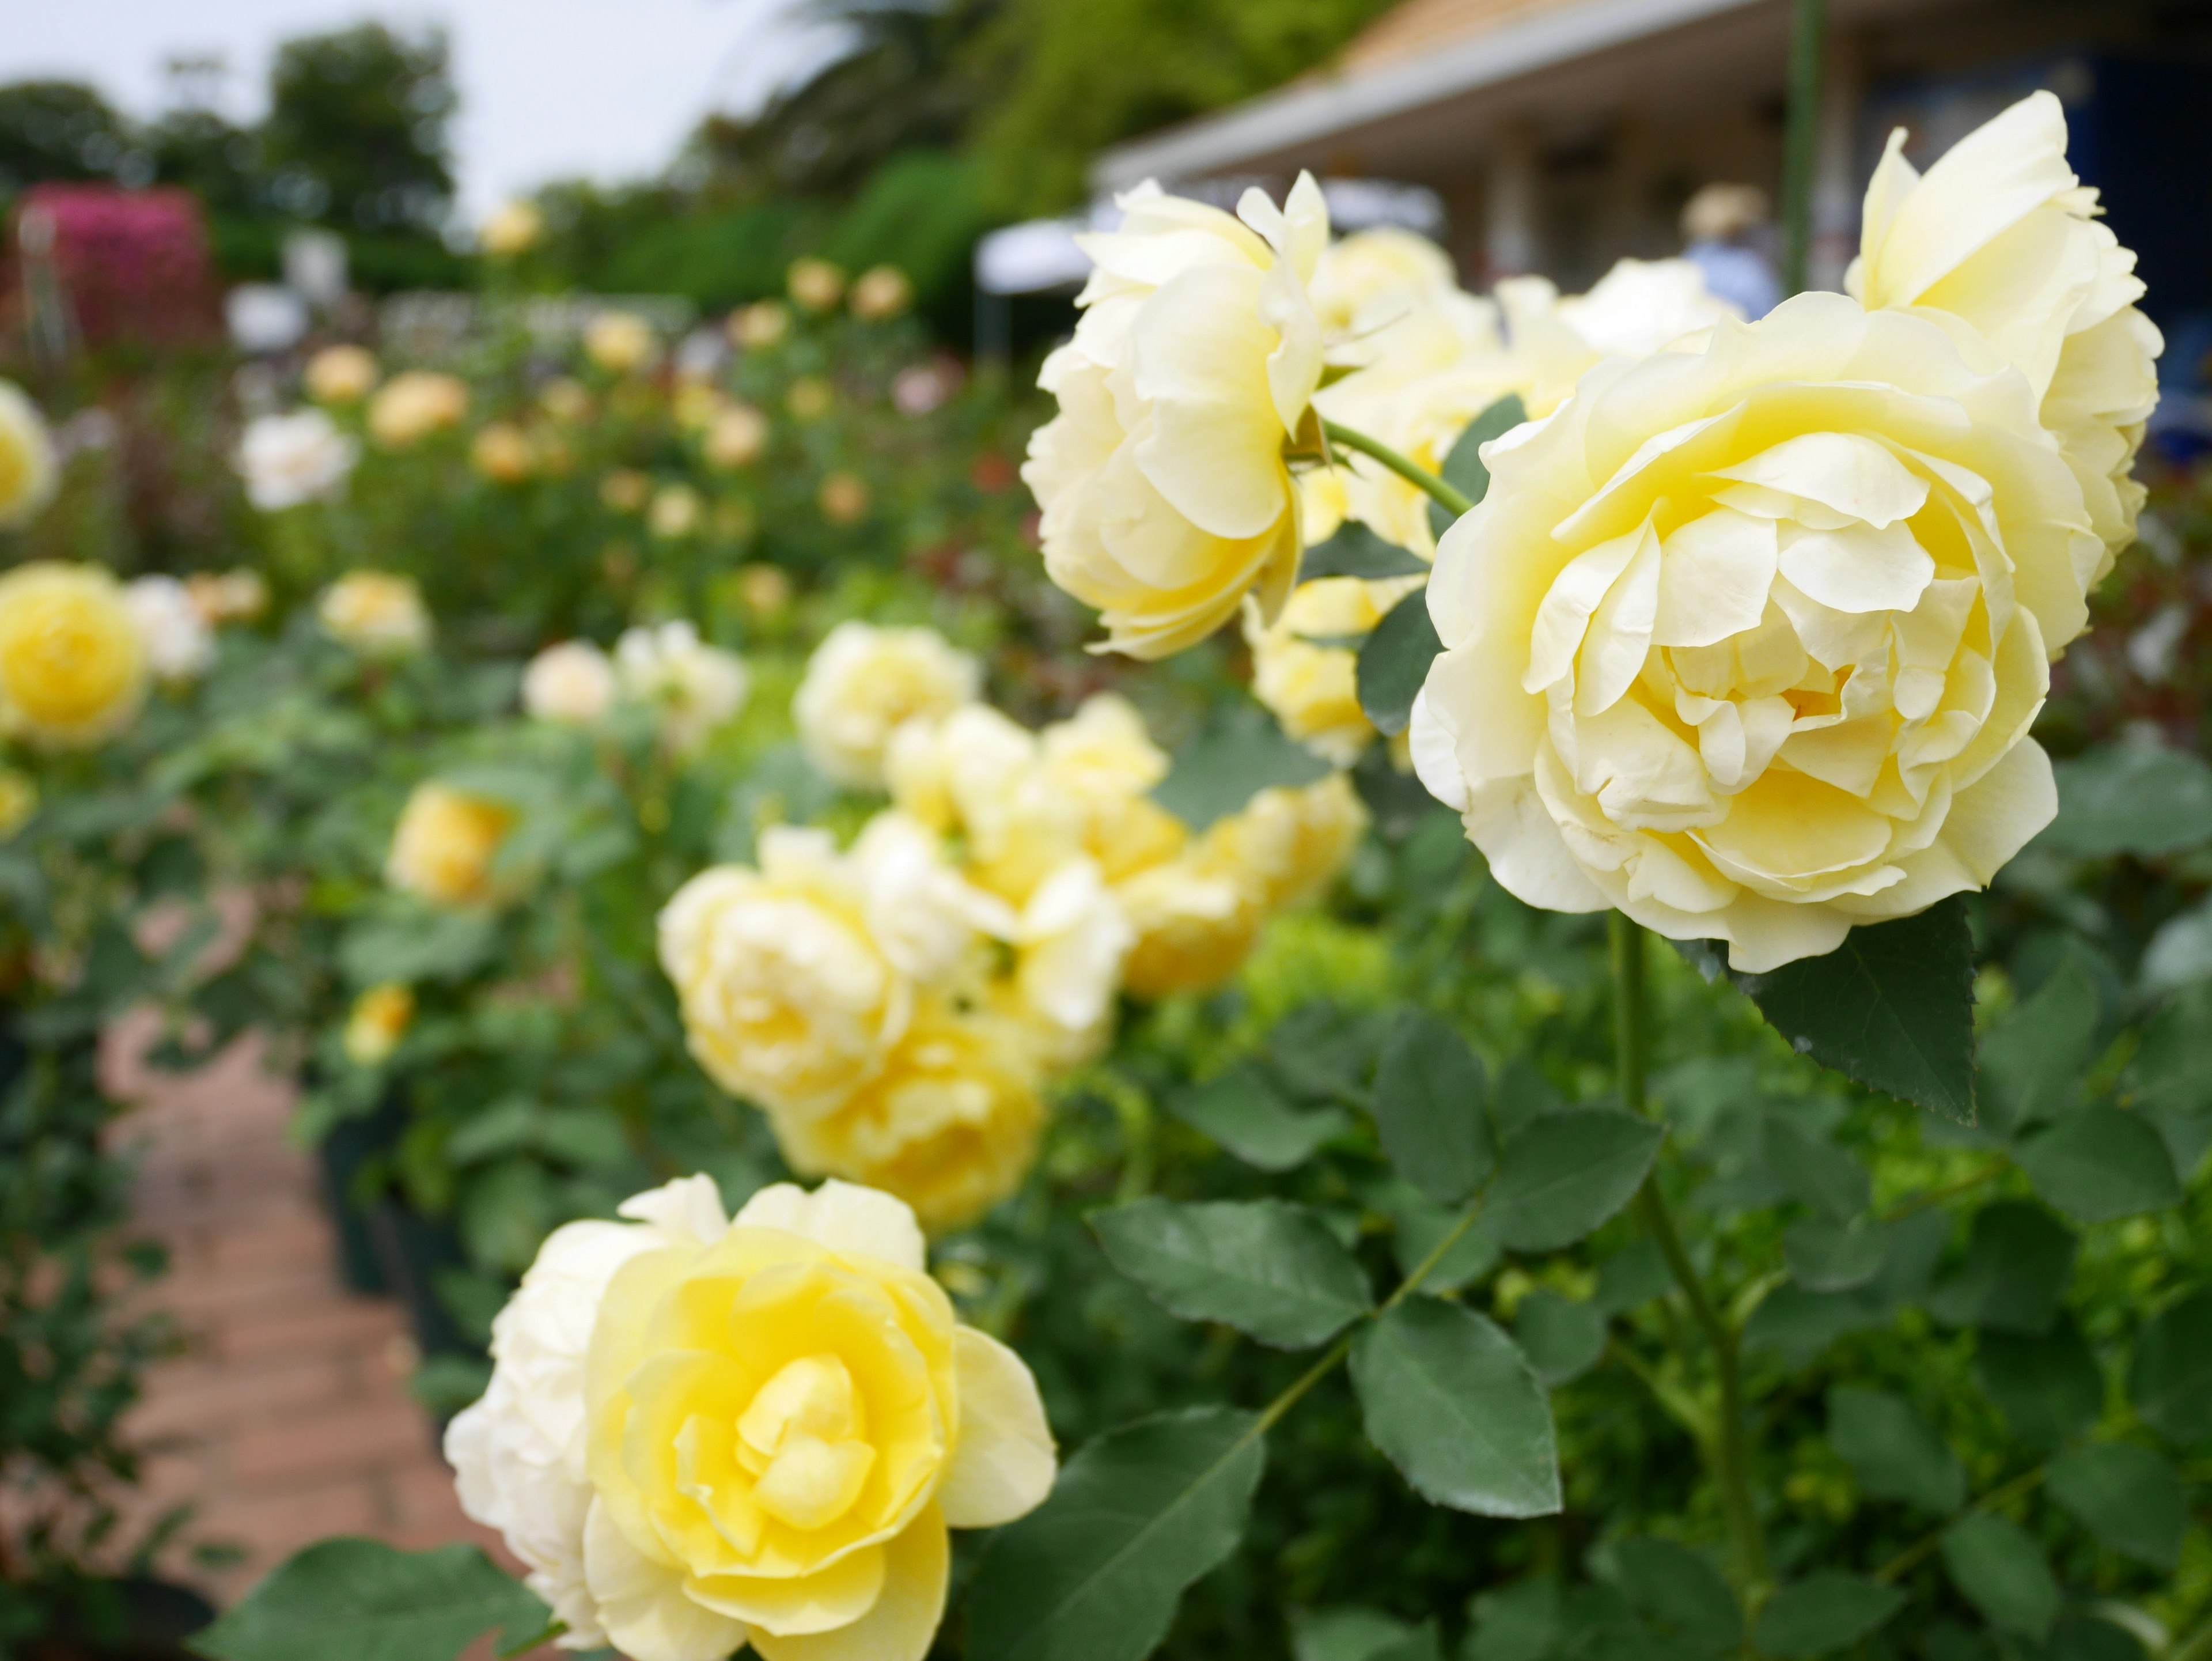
x=803, y=1440
x=65, y=661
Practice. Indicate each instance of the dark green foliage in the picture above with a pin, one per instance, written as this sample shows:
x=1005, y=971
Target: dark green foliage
x=360, y=1600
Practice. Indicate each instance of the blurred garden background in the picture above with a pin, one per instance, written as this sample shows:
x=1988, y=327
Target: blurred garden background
x=289, y=1107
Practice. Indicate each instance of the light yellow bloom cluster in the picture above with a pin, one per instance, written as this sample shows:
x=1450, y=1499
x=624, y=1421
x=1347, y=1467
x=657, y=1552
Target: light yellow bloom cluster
x=444, y=845
x=379, y=1020
x=28, y=473
x=378, y=614
x=1747, y=638
x=415, y=403
x=1304, y=672
x=863, y=683
x=706, y=1435
x=73, y=660
x=514, y=227
x=341, y=375
x=897, y=1008
x=621, y=343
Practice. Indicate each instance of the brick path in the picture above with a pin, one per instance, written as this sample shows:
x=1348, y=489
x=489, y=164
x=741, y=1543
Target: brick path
x=287, y=1418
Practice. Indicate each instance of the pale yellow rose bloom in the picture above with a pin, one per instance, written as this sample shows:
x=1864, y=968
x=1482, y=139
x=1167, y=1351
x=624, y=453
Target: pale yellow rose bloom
x=1071, y=942
x=760, y=324
x=1745, y=641
x=816, y=285
x=19, y=800
x=675, y=512
x=379, y=1020
x=1287, y=845
x=443, y=846
x=1194, y=923
x=621, y=343
x=377, y=614
x=413, y=404
x=736, y=438
x=572, y=682
x=341, y=375
x=843, y=498
x=950, y=1125
x=73, y=666
x=1638, y=307
x=1364, y=282
x=501, y=452
x=1165, y=491
x=780, y=1427
x=28, y=473
x=565, y=399
x=1104, y=764
x=863, y=683
x=810, y=397
x=882, y=292
x=221, y=597
x=1301, y=672
x=788, y=997
x=514, y=227
x=2001, y=234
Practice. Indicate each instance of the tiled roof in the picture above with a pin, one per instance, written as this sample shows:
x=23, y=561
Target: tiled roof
x=1417, y=27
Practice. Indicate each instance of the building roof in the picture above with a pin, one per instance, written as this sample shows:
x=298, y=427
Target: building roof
x=1419, y=27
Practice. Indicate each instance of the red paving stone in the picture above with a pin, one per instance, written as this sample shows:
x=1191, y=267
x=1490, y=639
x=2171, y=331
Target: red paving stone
x=288, y=1417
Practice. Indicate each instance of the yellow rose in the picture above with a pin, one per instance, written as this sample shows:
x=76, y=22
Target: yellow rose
x=341, y=375
x=1745, y=641
x=863, y=683
x=565, y=400
x=2001, y=234
x=514, y=227
x=19, y=800
x=760, y=324
x=787, y=997
x=843, y=499
x=816, y=285
x=675, y=512
x=810, y=397
x=1194, y=922
x=1370, y=277
x=413, y=404
x=377, y=614
x=780, y=1427
x=28, y=473
x=1165, y=495
x=1311, y=686
x=1070, y=943
x=72, y=664
x=501, y=453
x=1103, y=764
x=221, y=597
x=737, y=437
x=379, y=1020
x=950, y=1125
x=444, y=845
x=1638, y=307
x=1287, y=845
x=881, y=293
x=765, y=590
x=621, y=343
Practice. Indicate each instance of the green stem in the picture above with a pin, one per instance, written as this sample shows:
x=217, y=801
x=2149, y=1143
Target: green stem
x=1729, y=1449
x=2197, y=1646
x=1808, y=27
x=1919, y=1552
x=1412, y=472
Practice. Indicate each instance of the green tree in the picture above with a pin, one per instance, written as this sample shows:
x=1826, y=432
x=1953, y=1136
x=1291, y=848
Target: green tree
x=59, y=129
x=357, y=136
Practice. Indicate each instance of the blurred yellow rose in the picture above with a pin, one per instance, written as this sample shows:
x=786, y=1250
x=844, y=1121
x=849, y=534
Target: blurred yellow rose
x=844, y=498
x=950, y=1125
x=502, y=453
x=1307, y=680
x=221, y=597
x=1165, y=493
x=810, y=397
x=764, y=590
x=737, y=437
x=73, y=666
x=1370, y=277
x=816, y=285
x=882, y=292
x=413, y=404
x=379, y=1020
x=443, y=846
x=2001, y=234
x=377, y=614
x=760, y=324
x=341, y=375
x=621, y=343
x=1195, y=924
x=787, y=998
x=625, y=489
x=1287, y=845
x=1104, y=764
x=697, y=405
x=1745, y=641
x=863, y=683
x=572, y=683
x=675, y=512
x=565, y=400
x=19, y=800
x=514, y=227
x=28, y=473
x=779, y=1427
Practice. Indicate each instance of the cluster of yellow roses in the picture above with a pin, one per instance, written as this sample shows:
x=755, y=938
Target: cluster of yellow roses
x=897, y=1008
x=1746, y=636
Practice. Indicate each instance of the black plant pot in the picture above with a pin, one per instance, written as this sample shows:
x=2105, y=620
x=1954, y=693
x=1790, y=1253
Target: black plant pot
x=135, y=1619
x=351, y=1145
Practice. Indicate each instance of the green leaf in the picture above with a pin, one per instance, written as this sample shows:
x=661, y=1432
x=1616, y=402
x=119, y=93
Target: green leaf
x=1464, y=469
x=1679, y=1592
x=1421, y=1223
x=2093, y=1638
x=360, y=1600
x=1356, y=1634
x=1892, y=1007
x=1265, y=1266
x=2100, y=1163
x=1094, y=1572
x=418, y=943
x=2180, y=954
x=1394, y=662
x=1632, y=1277
x=2130, y=798
x=1565, y=1173
x=2170, y=1379
x=1562, y=1340
x=2172, y=1070
x=1814, y=1172
x=1822, y=1612
x=2129, y=1496
x=1892, y=1452
x=1429, y=1108
x=2032, y=1061
x=2000, y=1570
x=1457, y=1408
x=2049, y=1388
x=1518, y=1622
x=1824, y=1256
x=1355, y=551
x=1241, y=751
x=1244, y=1111
x=2019, y=1260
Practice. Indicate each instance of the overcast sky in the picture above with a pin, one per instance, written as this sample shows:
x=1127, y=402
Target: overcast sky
x=549, y=89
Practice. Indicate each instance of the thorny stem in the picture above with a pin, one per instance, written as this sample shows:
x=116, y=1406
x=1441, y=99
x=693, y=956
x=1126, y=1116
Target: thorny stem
x=1412, y=472
x=1728, y=1447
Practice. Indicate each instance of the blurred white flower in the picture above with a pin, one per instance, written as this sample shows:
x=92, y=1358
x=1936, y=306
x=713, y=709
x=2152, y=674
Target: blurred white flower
x=179, y=645
x=572, y=683
x=864, y=683
x=695, y=686
x=287, y=459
